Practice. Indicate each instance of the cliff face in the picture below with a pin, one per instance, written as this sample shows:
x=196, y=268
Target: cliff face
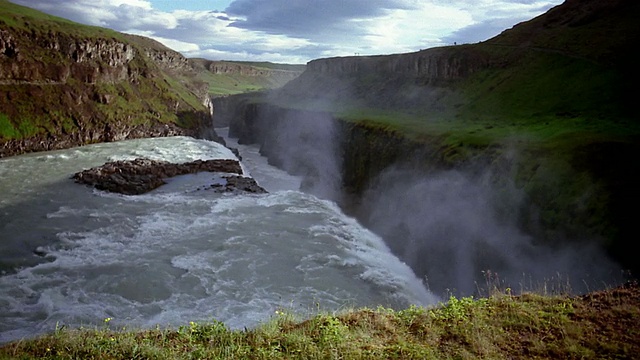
x=434, y=65
x=416, y=81
x=164, y=57
x=89, y=61
x=64, y=84
x=225, y=67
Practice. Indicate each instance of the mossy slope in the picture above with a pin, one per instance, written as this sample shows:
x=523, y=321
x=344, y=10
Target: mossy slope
x=63, y=83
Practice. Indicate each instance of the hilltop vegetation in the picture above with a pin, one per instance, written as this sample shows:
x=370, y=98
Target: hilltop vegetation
x=64, y=84
x=601, y=325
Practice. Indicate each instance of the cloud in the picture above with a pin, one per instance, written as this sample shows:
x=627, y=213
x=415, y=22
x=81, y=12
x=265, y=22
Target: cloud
x=307, y=18
x=478, y=32
x=491, y=17
x=398, y=30
x=115, y=14
x=177, y=45
x=353, y=26
x=301, y=30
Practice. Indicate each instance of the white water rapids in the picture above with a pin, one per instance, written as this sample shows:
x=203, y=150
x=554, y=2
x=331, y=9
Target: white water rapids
x=71, y=255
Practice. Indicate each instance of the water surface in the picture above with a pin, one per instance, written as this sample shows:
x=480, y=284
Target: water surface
x=72, y=255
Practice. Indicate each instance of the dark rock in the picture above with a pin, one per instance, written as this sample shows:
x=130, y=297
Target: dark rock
x=236, y=152
x=239, y=184
x=134, y=177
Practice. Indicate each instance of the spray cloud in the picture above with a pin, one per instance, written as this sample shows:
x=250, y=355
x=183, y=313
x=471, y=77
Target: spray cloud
x=460, y=231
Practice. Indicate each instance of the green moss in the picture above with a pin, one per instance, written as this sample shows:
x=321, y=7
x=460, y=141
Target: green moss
x=180, y=92
x=7, y=130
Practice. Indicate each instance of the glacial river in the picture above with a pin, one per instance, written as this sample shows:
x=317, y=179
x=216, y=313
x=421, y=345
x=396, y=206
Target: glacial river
x=72, y=255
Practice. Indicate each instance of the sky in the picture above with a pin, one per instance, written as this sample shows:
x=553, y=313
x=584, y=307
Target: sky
x=297, y=31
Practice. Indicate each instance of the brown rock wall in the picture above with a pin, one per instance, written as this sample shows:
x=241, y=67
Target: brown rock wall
x=59, y=90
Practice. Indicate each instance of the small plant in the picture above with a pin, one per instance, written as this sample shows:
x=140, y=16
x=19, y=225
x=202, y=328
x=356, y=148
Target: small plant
x=332, y=330
x=7, y=130
x=457, y=310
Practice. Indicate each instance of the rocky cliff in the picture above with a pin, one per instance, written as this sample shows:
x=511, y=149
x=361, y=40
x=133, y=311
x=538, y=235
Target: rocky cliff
x=286, y=72
x=63, y=84
x=434, y=65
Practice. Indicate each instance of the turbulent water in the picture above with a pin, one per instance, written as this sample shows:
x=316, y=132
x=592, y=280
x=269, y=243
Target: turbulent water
x=72, y=255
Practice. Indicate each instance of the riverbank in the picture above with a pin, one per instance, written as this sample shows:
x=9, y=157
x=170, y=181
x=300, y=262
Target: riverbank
x=597, y=325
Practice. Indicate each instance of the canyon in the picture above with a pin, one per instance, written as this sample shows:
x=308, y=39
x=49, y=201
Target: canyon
x=540, y=120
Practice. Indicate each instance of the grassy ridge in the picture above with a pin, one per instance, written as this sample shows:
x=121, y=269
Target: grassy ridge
x=600, y=325
x=233, y=84
x=271, y=66
x=70, y=104
x=248, y=77
x=84, y=96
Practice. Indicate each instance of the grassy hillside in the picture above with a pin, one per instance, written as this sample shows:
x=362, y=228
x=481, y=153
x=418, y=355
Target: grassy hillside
x=245, y=77
x=64, y=84
x=601, y=325
x=573, y=63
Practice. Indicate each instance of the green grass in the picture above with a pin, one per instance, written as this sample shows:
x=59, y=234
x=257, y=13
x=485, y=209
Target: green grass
x=232, y=84
x=241, y=77
x=272, y=66
x=600, y=325
x=67, y=105
x=7, y=130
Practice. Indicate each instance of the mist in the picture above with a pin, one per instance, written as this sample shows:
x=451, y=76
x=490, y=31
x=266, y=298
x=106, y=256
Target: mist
x=305, y=143
x=462, y=231
x=459, y=232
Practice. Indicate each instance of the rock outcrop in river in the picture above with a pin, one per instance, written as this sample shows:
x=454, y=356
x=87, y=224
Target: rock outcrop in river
x=139, y=176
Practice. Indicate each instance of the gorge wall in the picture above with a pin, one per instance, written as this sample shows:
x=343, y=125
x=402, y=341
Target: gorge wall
x=454, y=216
x=249, y=69
x=514, y=156
x=250, y=76
x=64, y=84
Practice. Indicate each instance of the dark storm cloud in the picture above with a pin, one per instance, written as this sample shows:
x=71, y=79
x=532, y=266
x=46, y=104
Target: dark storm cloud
x=307, y=18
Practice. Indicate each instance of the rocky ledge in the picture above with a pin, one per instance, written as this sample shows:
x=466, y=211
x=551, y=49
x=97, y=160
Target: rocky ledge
x=134, y=177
